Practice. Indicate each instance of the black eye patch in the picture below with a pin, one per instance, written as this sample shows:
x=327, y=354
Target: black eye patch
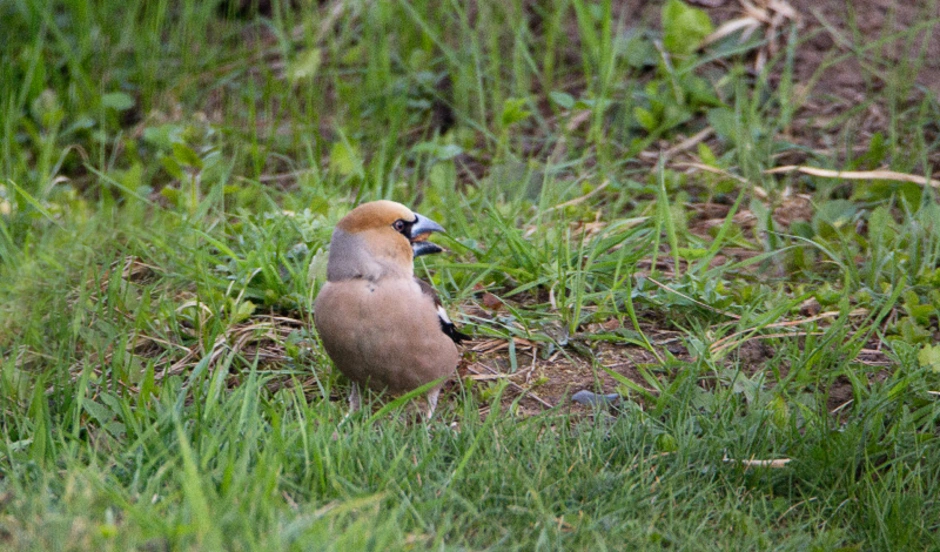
x=403, y=227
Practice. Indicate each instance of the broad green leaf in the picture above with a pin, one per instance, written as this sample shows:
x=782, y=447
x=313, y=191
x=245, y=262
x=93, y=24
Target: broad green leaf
x=118, y=101
x=514, y=111
x=345, y=159
x=561, y=99
x=722, y=120
x=684, y=27
x=306, y=65
x=185, y=155
x=645, y=118
x=929, y=357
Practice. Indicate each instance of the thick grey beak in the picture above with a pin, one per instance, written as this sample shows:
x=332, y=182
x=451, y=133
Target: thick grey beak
x=420, y=229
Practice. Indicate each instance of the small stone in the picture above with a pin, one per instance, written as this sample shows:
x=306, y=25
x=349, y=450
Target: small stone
x=590, y=398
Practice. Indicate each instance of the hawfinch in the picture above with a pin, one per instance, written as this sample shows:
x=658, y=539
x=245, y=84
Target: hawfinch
x=383, y=327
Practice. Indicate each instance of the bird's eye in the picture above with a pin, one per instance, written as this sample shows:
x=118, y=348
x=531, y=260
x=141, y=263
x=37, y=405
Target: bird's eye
x=399, y=226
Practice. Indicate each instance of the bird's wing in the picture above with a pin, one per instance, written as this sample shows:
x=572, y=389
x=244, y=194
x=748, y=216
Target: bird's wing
x=447, y=326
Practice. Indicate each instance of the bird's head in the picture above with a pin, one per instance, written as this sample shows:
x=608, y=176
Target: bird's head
x=379, y=238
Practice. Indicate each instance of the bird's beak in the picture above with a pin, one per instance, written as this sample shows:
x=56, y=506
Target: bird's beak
x=422, y=227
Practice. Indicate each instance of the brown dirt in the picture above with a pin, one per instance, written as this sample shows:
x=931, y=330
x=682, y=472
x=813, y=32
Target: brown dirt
x=841, y=96
x=830, y=82
x=830, y=28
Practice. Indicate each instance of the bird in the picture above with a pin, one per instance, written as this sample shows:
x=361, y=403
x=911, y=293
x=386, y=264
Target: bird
x=384, y=328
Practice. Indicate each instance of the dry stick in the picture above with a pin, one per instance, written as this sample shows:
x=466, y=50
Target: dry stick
x=516, y=386
x=697, y=302
x=577, y=200
x=775, y=463
x=718, y=345
x=731, y=27
x=841, y=406
x=757, y=190
x=715, y=350
x=823, y=173
x=496, y=344
x=686, y=144
x=858, y=175
x=498, y=376
x=794, y=507
x=884, y=362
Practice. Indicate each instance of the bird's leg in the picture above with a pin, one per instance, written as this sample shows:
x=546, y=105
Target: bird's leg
x=432, y=401
x=354, y=398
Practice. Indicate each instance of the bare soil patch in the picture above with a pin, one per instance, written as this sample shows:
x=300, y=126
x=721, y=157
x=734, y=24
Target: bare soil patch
x=833, y=83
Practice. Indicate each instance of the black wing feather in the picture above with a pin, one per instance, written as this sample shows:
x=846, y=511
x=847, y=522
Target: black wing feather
x=447, y=326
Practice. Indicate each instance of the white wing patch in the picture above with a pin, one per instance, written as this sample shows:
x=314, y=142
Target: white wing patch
x=442, y=314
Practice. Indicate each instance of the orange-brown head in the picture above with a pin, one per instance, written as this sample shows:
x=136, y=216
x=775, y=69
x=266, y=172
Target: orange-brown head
x=378, y=239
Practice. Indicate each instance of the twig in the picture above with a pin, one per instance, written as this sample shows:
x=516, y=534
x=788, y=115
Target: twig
x=858, y=175
x=577, y=200
x=720, y=344
x=775, y=463
x=516, y=386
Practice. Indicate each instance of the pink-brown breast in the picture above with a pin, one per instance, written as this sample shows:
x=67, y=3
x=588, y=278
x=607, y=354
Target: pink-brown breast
x=384, y=334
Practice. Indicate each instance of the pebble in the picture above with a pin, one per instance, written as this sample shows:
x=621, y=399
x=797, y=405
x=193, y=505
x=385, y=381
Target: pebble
x=589, y=398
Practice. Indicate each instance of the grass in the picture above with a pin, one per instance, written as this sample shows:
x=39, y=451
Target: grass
x=170, y=174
